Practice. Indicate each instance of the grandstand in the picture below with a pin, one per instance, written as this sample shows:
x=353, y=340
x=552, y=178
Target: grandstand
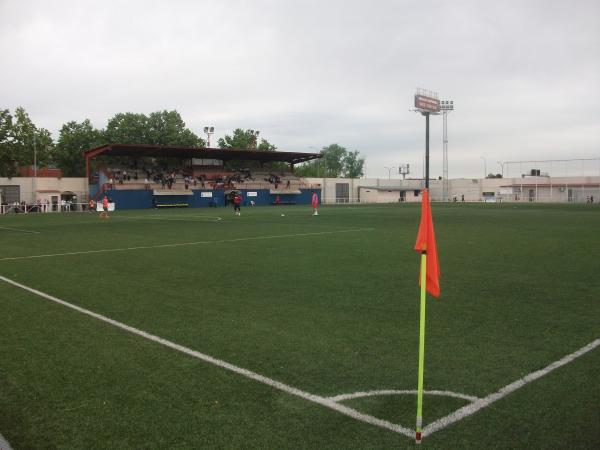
x=145, y=176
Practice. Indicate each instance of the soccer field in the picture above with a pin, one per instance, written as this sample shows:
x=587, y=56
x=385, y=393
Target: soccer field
x=197, y=328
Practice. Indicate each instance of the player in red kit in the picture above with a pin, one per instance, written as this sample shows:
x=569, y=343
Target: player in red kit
x=237, y=201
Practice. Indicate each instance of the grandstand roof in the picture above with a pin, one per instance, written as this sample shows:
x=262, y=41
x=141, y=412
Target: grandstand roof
x=144, y=150
x=203, y=153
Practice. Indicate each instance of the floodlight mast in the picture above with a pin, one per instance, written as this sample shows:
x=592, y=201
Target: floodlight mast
x=208, y=131
x=404, y=170
x=427, y=103
x=446, y=106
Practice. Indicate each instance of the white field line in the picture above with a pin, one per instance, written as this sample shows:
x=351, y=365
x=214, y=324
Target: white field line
x=180, y=219
x=328, y=403
x=19, y=230
x=342, y=397
x=4, y=445
x=221, y=241
x=467, y=410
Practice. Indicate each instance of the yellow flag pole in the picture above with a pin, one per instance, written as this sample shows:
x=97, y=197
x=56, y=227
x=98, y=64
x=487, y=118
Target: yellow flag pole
x=421, y=348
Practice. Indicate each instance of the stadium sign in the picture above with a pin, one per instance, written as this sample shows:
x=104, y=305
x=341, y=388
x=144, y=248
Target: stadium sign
x=427, y=104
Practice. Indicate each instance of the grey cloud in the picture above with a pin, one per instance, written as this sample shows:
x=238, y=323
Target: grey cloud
x=523, y=74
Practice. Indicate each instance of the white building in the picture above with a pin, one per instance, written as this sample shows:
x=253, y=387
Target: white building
x=522, y=189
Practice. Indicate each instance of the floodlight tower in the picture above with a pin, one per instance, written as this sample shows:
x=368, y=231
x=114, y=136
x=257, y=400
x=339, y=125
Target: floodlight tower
x=446, y=106
x=404, y=170
x=427, y=103
x=208, y=131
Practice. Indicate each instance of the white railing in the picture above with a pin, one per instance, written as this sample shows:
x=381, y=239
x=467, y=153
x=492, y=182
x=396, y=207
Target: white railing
x=49, y=208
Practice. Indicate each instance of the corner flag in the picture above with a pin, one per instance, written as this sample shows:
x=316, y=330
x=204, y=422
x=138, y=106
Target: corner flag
x=429, y=281
x=426, y=243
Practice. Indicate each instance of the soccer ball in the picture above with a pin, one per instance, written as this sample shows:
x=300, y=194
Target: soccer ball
x=283, y=215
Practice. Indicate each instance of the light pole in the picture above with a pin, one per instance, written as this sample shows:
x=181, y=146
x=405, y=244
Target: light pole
x=446, y=106
x=427, y=103
x=501, y=167
x=318, y=161
x=208, y=131
x=254, y=134
x=389, y=169
x=484, y=167
x=34, y=193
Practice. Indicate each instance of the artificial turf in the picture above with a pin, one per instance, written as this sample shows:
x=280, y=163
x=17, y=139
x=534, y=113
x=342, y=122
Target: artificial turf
x=326, y=304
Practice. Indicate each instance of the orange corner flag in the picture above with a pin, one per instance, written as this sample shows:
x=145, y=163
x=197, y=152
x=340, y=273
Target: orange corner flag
x=426, y=242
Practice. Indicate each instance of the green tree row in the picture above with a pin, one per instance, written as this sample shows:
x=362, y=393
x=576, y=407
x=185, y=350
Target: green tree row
x=19, y=137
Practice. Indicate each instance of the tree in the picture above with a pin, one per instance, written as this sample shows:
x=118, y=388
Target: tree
x=8, y=160
x=244, y=140
x=160, y=128
x=74, y=139
x=309, y=169
x=353, y=165
x=335, y=162
x=265, y=146
x=168, y=128
x=127, y=128
x=333, y=158
x=20, y=139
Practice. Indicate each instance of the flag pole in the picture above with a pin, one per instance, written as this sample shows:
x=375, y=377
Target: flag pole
x=421, y=348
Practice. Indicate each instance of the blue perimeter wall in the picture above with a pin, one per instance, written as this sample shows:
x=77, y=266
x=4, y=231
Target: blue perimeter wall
x=142, y=199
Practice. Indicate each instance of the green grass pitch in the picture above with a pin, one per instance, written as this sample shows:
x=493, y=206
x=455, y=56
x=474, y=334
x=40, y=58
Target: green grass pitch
x=328, y=305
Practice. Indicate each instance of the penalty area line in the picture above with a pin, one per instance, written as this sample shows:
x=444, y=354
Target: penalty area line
x=472, y=408
x=182, y=244
x=323, y=401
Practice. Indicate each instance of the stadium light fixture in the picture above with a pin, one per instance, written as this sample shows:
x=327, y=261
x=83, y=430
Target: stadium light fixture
x=404, y=170
x=208, y=131
x=446, y=107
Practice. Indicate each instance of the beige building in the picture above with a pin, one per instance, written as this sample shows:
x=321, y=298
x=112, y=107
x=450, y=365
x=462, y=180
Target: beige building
x=53, y=190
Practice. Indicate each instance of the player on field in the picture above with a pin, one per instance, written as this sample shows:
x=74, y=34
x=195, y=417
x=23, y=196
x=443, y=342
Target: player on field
x=104, y=213
x=237, y=201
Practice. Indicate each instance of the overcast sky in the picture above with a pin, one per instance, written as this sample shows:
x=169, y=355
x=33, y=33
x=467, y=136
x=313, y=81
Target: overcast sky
x=524, y=75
